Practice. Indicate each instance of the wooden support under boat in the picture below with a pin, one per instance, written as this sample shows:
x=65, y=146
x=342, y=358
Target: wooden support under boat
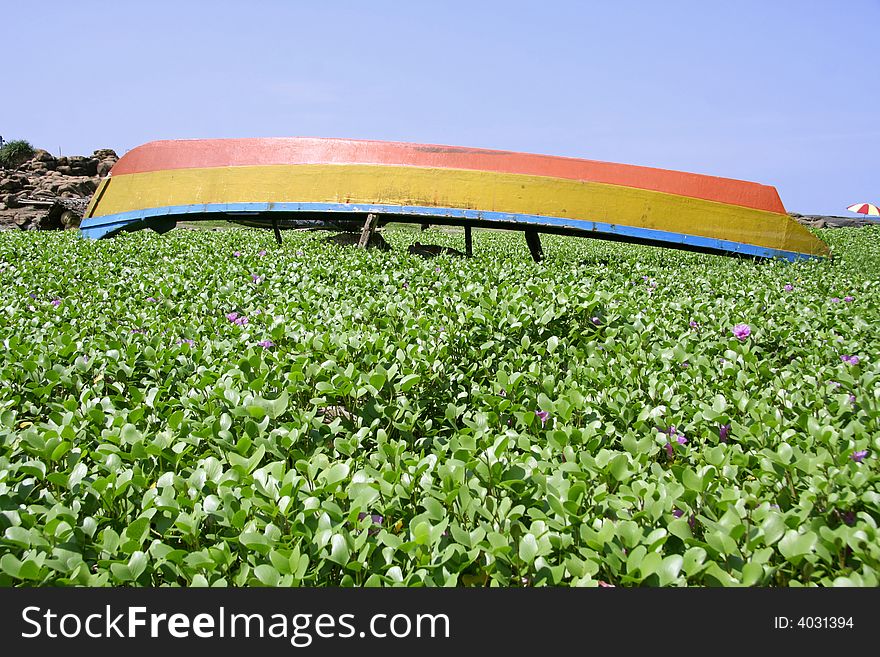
x=277, y=231
x=468, y=242
x=533, y=239
x=368, y=230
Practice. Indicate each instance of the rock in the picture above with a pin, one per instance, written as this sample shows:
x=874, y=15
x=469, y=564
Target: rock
x=83, y=166
x=831, y=221
x=104, y=167
x=70, y=219
x=47, y=193
x=43, y=156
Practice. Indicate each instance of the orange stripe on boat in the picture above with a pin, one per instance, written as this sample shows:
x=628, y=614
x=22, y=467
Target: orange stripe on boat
x=209, y=153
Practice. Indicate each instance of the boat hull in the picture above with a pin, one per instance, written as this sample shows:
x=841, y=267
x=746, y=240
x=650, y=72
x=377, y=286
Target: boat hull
x=158, y=183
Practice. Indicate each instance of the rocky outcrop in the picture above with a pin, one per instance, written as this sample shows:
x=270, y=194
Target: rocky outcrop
x=48, y=192
x=829, y=221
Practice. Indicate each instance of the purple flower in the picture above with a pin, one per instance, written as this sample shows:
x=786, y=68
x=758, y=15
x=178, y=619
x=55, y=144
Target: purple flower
x=693, y=324
x=652, y=284
x=32, y=295
x=835, y=383
x=835, y=300
x=56, y=302
x=543, y=416
x=437, y=269
x=692, y=521
x=186, y=341
x=151, y=300
x=859, y=456
x=241, y=321
x=849, y=518
x=266, y=344
x=788, y=287
x=232, y=316
x=724, y=432
x=236, y=254
x=742, y=331
x=849, y=299
x=137, y=330
x=670, y=450
x=261, y=253
x=375, y=519
x=595, y=320
x=299, y=253
x=681, y=440
x=405, y=285
x=257, y=279
x=852, y=399
x=685, y=365
x=678, y=513
x=850, y=360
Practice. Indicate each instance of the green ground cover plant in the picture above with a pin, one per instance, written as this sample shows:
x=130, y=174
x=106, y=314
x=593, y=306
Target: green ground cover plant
x=210, y=409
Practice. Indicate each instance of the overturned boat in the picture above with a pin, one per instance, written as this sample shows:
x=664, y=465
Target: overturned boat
x=341, y=183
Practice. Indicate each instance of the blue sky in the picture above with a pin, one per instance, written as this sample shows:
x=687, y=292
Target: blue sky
x=785, y=93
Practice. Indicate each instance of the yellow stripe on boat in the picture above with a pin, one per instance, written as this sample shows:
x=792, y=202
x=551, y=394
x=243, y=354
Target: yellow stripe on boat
x=454, y=188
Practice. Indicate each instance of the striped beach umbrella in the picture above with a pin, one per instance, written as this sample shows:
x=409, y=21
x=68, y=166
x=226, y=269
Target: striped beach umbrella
x=865, y=208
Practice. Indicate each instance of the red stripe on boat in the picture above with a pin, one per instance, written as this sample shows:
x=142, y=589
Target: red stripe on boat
x=206, y=153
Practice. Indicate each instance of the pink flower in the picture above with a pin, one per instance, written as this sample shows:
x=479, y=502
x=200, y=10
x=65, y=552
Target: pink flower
x=835, y=300
x=543, y=416
x=849, y=299
x=236, y=254
x=742, y=331
x=56, y=302
x=859, y=456
x=266, y=344
x=262, y=253
x=850, y=360
x=693, y=324
x=788, y=287
x=232, y=316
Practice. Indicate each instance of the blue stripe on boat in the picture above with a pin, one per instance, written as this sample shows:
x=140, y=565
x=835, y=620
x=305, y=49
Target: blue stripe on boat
x=98, y=227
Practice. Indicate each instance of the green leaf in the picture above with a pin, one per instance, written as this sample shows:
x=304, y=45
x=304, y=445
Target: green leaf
x=795, y=545
x=408, y=382
x=670, y=568
x=339, y=552
x=267, y=575
x=528, y=548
